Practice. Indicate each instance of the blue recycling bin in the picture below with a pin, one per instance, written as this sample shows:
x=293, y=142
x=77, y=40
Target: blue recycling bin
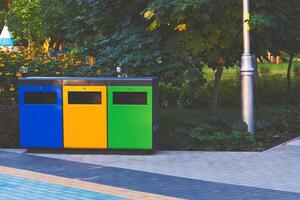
x=41, y=119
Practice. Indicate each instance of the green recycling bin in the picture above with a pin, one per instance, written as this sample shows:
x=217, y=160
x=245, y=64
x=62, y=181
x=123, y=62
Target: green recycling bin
x=132, y=113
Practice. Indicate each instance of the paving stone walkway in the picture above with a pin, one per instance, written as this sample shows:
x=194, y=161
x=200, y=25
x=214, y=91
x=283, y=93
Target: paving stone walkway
x=18, y=188
x=19, y=184
x=273, y=174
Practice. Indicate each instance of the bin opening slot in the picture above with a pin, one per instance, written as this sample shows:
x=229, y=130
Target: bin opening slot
x=40, y=97
x=84, y=98
x=131, y=98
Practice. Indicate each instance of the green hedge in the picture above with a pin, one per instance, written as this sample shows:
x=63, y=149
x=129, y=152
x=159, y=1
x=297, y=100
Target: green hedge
x=271, y=90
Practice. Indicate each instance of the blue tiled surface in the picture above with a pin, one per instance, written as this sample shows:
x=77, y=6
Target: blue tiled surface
x=17, y=188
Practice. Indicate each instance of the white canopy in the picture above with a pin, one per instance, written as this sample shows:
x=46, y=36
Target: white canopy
x=6, y=40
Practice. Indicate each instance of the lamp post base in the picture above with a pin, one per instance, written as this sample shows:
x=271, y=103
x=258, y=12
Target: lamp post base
x=247, y=73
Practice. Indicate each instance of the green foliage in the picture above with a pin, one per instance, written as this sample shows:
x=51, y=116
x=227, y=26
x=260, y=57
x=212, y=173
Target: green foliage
x=275, y=31
x=221, y=134
x=187, y=129
x=36, y=20
x=184, y=129
x=271, y=90
x=3, y=5
x=38, y=64
x=172, y=39
x=265, y=71
x=296, y=70
x=53, y=17
x=175, y=124
x=25, y=20
x=274, y=26
x=212, y=28
x=276, y=127
x=184, y=34
x=120, y=39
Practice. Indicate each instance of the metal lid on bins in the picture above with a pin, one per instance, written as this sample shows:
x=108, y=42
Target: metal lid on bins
x=86, y=81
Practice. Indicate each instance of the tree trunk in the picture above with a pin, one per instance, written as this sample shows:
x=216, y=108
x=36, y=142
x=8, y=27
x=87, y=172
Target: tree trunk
x=216, y=90
x=288, y=78
x=8, y=5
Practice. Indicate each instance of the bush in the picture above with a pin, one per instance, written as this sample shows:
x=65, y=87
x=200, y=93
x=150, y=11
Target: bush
x=277, y=126
x=169, y=95
x=296, y=70
x=220, y=134
x=174, y=126
x=38, y=64
x=189, y=129
x=186, y=129
x=271, y=90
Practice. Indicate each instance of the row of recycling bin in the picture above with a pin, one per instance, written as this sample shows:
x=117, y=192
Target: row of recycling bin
x=88, y=113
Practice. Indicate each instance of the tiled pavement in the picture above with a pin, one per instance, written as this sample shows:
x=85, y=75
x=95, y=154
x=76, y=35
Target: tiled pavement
x=18, y=184
x=18, y=188
x=273, y=174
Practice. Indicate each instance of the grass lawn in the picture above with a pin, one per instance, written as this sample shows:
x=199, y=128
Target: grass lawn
x=233, y=72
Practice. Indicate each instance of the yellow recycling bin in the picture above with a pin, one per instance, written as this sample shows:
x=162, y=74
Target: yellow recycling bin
x=85, y=117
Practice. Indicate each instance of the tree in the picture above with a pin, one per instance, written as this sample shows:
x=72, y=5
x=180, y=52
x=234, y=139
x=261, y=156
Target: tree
x=174, y=38
x=2, y=4
x=53, y=20
x=36, y=20
x=25, y=20
x=117, y=31
x=5, y=5
x=207, y=30
x=2, y=11
x=275, y=30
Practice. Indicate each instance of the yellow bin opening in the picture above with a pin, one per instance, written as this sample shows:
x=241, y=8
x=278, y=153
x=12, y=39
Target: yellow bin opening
x=85, y=118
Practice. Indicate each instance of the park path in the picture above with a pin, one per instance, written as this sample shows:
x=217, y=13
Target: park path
x=272, y=174
x=20, y=184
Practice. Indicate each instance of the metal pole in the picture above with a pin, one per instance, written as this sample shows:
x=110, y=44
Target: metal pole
x=247, y=73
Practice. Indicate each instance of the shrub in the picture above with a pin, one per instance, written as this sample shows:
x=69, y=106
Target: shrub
x=220, y=134
x=296, y=70
x=190, y=129
x=169, y=95
x=175, y=125
x=277, y=126
x=38, y=64
x=186, y=129
x=271, y=90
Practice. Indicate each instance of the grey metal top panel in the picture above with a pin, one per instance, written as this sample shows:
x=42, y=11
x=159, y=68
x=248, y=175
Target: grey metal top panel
x=40, y=81
x=114, y=81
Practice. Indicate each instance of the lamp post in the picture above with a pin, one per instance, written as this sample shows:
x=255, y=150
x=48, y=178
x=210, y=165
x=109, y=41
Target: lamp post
x=247, y=73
